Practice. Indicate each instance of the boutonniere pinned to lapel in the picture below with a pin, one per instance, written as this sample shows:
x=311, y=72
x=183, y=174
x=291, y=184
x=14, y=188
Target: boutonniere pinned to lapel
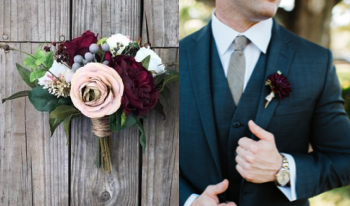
x=279, y=85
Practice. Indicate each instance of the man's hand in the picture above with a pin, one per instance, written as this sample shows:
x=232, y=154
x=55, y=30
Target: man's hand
x=209, y=196
x=258, y=161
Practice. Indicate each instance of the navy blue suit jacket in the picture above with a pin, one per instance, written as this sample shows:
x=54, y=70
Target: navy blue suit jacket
x=313, y=113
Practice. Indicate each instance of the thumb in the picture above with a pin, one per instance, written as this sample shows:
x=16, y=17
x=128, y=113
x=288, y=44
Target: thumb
x=217, y=189
x=258, y=131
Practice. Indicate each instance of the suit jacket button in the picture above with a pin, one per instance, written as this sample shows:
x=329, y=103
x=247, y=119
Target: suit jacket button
x=236, y=124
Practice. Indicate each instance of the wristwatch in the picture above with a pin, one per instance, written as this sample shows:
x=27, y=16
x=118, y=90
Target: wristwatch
x=283, y=175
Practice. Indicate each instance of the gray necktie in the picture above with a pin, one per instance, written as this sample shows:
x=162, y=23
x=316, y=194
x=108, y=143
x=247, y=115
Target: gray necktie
x=236, y=70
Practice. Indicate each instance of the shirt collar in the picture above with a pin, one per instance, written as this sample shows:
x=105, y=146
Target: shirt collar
x=259, y=34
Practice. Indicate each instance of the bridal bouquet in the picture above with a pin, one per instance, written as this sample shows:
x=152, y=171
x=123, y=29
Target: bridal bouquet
x=114, y=81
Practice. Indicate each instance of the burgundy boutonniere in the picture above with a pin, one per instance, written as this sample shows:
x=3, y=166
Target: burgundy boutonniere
x=279, y=85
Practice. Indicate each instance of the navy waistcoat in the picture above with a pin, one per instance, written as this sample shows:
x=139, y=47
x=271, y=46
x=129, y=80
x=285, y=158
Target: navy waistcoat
x=232, y=122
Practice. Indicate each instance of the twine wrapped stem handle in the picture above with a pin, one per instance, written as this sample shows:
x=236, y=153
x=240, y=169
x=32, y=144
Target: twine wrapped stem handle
x=100, y=128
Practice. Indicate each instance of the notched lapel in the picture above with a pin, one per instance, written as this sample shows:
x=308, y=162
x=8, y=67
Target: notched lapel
x=280, y=57
x=199, y=65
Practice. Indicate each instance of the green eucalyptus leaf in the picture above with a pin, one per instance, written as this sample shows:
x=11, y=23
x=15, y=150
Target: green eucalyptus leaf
x=172, y=77
x=63, y=111
x=115, y=121
x=25, y=75
x=36, y=74
x=159, y=79
x=29, y=62
x=145, y=61
x=54, y=124
x=49, y=60
x=102, y=41
x=66, y=124
x=40, y=57
x=166, y=96
x=16, y=95
x=43, y=101
x=160, y=109
x=123, y=119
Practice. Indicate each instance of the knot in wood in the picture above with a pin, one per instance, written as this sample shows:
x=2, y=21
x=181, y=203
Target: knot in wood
x=105, y=196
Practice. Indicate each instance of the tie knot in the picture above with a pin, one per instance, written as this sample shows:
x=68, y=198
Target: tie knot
x=240, y=42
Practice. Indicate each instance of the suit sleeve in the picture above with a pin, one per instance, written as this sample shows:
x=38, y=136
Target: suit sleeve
x=185, y=190
x=328, y=166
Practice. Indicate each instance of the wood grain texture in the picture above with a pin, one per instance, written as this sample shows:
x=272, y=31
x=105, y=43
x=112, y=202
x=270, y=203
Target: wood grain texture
x=38, y=170
x=163, y=23
x=93, y=186
x=33, y=166
x=107, y=17
x=34, y=20
x=90, y=185
x=160, y=166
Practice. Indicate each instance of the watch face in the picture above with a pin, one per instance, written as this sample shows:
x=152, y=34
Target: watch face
x=283, y=177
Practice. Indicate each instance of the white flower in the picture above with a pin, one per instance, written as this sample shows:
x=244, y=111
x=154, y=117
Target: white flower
x=155, y=63
x=58, y=70
x=118, y=41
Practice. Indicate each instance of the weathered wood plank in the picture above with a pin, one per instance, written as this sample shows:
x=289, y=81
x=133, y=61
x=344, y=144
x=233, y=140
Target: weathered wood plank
x=93, y=186
x=160, y=166
x=90, y=185
x=107, y=17
x=33, y=166
x=34, y=20
x=163, y=23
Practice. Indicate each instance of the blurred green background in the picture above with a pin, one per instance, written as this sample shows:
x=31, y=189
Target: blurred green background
x=325, y=22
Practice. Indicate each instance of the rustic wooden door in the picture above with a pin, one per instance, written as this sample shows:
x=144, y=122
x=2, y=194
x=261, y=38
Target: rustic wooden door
x=38, y=170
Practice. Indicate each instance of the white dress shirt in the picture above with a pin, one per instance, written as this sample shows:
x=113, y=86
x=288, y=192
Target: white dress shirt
x=259, y=36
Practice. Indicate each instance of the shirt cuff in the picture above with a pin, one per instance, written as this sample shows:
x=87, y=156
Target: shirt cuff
x=290, y=191
x=191, y=199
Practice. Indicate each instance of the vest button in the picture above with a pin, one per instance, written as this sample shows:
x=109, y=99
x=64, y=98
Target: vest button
x=236, y=124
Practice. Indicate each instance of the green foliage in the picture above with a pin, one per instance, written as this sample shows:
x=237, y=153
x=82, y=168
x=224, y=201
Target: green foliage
x=102, y=41
x=29, y=62
x=162, y=82
x=336, y=197
x=49, y=59
x=119, y=121
x=40, y=57
x=142, y=134
x=43, y=101
x=63, y=113
x=39, y=63
x=163, y=104
x=171, y=77
x=25, y=75
x=192, y=16
x=145, y=61
x=16, y=95
x=36, y=74
x=346, y=97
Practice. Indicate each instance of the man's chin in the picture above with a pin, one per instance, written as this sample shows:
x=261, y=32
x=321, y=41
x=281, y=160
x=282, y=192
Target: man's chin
x=267, y=11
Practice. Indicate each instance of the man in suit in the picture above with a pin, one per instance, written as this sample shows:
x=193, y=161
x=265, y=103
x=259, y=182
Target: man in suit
x=233, y=150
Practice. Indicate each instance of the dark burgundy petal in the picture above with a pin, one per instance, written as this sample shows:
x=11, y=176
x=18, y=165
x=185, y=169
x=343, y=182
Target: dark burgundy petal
x=140, y=93
x=280, y=85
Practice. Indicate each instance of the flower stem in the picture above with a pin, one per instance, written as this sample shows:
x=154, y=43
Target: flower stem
x=99, y=155
x=54, y=76
x=106, y=158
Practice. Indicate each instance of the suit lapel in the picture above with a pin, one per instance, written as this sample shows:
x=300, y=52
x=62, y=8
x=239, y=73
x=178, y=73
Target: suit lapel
x=199, y=65
x=280, y=56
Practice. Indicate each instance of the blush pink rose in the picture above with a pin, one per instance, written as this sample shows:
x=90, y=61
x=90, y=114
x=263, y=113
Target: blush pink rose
x=96, y=90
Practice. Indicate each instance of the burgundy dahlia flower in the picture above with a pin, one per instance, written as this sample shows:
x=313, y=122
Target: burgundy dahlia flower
x=279, y=84
x=140, y=93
